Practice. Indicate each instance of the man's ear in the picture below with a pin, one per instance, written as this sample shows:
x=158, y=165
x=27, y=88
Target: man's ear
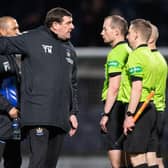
x=55, y=25
x=135, y=35
x=151, y=40
x=117, y=31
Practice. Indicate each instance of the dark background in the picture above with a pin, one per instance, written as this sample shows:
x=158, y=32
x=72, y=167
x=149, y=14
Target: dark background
x=88, y=18
x=88, y=15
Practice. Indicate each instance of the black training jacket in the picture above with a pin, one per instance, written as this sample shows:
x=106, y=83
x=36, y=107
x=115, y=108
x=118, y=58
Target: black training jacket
x=48, y=84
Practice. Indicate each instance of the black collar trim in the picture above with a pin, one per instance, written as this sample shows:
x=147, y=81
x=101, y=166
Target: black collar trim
x=142, y=45
x=121, y=42
x=53, y=34
x=154, y=50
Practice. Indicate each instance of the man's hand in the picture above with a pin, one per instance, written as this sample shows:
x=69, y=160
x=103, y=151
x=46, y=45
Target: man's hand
x=74, y=124
x=103, y=123
x=128, y=124
x=14, y=112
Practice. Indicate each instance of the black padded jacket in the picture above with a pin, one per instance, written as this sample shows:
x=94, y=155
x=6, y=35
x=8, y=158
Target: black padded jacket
x=48, y=80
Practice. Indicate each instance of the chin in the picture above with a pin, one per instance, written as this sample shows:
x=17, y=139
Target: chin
x=67, y=37
x=107, y=42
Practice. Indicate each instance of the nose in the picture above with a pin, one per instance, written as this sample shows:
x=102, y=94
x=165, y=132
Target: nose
x=102, y=32
x=127, y=36
x=72, y=26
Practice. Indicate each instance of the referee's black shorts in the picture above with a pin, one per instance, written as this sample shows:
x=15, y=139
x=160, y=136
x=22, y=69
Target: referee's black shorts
x=160, y=127
x=115, y=126
x=142, y=137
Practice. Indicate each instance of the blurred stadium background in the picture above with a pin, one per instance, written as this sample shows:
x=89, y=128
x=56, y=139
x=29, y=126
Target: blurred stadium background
x=85, y=149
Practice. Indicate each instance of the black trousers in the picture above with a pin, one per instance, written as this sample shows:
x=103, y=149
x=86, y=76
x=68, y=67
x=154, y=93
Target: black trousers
x=45, y=146
x=11, y=153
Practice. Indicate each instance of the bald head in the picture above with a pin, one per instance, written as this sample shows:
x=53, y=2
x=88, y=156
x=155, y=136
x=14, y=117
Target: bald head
x=154, y=37
x=8, y=26
x=155, y=33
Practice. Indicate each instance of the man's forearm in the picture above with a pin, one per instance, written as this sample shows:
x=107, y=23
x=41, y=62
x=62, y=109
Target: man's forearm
x=136, y=92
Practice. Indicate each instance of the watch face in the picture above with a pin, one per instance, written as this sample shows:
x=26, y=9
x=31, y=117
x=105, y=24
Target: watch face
x=129, y=113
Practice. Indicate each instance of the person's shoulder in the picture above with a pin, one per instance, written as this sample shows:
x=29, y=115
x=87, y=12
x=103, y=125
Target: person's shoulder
x=123, y=48
x=141, y=51
x=33, y=31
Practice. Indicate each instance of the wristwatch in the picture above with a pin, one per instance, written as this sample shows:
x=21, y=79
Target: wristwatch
x=129, y=113
x=105, y=114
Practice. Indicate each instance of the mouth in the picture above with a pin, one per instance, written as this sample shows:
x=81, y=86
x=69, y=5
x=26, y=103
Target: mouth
x=68, y=34
x=104, y=38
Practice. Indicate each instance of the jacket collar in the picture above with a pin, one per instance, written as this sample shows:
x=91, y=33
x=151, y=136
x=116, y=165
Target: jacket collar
x=121, y=42
x=142, y=45
x=154, y=50
x=53, y=34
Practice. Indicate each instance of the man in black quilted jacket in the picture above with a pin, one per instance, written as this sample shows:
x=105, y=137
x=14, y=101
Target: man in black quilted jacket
x=49, y=102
